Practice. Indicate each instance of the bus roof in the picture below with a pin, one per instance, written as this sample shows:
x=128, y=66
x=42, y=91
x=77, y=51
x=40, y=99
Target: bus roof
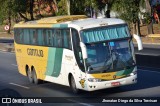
x=76, y=21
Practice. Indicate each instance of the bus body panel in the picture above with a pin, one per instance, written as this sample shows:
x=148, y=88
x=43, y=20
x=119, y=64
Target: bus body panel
x=55, y=64
x=92, y=86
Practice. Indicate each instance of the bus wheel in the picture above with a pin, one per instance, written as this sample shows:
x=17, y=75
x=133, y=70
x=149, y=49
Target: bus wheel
x=35, y=80
x=73, y=85
x=30, y=76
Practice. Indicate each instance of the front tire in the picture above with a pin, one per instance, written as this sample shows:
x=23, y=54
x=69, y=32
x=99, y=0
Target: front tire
x=73, y=86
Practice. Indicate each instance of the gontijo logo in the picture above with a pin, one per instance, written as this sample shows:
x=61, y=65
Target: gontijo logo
x=35, y=52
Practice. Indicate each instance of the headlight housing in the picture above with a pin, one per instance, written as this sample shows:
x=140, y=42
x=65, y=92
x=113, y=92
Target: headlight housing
x=133, y=73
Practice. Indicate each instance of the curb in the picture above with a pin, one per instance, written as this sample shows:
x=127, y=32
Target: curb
x=7, y=51
x=5, y=47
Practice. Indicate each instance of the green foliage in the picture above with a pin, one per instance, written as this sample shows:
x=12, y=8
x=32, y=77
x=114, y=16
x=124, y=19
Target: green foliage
x=127, y=9
x=10, y=8
x=62, y=5
x=19, y=6
x=93, y=3
x=77, y=7
x=147, y=18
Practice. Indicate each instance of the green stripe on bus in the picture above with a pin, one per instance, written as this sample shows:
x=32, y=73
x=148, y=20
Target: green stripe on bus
x=128, y=71
x=54, y=61
x=120, y=73
x=124, y=72
x=60, y=26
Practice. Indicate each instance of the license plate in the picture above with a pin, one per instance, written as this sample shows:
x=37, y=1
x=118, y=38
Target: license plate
x=115, y=83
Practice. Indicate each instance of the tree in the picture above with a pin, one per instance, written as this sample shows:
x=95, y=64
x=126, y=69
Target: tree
x=149, y=12
x=68, y=7
x=77, y=7
x=10, y=8
x=20, y=8
x=5, y=9
x=31, y=4
x=109, y=4
x=62, y=10
x=129, y=10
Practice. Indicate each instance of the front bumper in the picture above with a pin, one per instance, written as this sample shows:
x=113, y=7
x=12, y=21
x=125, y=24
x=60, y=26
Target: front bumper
x=92, y=86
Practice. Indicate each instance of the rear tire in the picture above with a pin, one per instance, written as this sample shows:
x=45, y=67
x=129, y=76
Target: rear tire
x=35, y=80
x=73, y=85
x=30, y=76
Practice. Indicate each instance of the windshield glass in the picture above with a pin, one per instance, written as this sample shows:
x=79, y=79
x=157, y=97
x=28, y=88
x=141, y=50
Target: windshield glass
x=107, y=56
x=105, y=33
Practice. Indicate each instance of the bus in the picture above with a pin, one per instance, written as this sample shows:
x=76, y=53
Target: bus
x=82, y=53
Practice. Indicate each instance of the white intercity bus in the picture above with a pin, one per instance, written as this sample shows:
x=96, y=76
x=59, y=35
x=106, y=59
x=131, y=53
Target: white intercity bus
x=76, y=51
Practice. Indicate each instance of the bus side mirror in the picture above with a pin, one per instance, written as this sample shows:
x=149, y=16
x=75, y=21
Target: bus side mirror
x=139, y=41
x=84, y=50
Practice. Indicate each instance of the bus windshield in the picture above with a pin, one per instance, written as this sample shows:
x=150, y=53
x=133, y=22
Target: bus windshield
x=109, y=56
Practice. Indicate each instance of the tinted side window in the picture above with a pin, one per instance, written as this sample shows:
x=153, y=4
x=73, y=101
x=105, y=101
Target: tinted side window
x=77, y=49
x=44, y=37
x=49, y=37
x=40, y=37
x=19, y=35
x=26, y=36
x=33, y=37
x=59, y=38
x=66, y=38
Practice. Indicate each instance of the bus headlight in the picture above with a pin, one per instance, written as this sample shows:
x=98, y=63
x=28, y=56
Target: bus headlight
x=94, y=80
x=133, y=73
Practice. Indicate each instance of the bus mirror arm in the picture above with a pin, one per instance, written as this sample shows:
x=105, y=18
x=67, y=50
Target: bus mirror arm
x=84, y=50
x=139, y=41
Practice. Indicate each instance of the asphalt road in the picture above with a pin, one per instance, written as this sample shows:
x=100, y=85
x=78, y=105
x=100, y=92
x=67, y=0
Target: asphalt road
x=149, y=56
x=148, y=86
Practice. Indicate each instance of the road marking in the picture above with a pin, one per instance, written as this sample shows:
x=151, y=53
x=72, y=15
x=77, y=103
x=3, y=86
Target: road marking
x=19, y=85
x=149, y=71
x=14, y=65
x=85, y=104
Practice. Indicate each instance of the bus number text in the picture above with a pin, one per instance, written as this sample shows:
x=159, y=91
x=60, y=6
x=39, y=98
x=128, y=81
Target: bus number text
x=35, y=52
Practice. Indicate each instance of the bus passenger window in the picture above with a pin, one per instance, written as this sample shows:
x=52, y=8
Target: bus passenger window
x=21, y=35
x=17, y=35
x=66, y=39
x=33, y=37
x=58, y=38
x=49, y=39
x=34, y=40
x=44, y=37
x=26, y=36
x=40, y=37
x=77, y=49
x=53, y=38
